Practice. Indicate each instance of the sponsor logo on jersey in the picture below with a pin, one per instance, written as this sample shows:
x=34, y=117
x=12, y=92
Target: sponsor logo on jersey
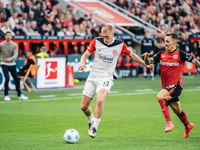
x=175, y=56
x=163, y=56
x=168, y=63
x=114, y=52
x=106, y=58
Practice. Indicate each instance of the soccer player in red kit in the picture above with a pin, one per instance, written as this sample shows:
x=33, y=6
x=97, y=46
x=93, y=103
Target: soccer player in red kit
x=171, y=64
x=100, y=80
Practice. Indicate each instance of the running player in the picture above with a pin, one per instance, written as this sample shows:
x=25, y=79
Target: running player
x=171, y=63
x=106, y=51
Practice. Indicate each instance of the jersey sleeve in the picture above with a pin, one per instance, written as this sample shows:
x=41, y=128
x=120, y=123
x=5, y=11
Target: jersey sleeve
x=157, y=57
x=91, y=48
x=185, y=56
x=125, y=49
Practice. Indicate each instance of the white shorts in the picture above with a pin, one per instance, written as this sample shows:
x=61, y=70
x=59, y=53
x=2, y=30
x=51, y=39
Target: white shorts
x=93, y=86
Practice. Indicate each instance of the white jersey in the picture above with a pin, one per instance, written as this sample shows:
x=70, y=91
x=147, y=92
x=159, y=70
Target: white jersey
x=105, y=57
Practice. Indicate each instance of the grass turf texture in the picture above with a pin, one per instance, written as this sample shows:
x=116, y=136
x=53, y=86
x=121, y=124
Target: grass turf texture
x=132, y=119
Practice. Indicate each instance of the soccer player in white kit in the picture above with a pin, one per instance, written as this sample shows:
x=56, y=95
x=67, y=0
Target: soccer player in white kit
x=100, y=80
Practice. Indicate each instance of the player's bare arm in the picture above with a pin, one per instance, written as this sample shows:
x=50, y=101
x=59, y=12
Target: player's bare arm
x=196, y=62
x=83, y=60
x=139, y=60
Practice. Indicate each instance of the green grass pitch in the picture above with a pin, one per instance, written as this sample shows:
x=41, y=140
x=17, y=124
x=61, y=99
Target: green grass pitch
x=132, y=119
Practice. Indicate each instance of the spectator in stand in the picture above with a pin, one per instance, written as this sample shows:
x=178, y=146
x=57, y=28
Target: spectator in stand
x=28, y=7
x=24, y=18
x=70, y=31
x=31, y=16
x=44, y=11
x=2, y=9
x=70, y=10
x=74, y=18
x=35, y=28
x=27, y=29
x=61, y=17
x=15, y=7
x=77, y=30
x=68, y=20
x=37, y=12
x=18, y=29
x=1, y=32
x=58, y=29
x=153, y=21
x=185, y=44
x=2, y=18
x=92, y=20
x=43, y=29
x=8, y=11
x=43, y=52
x=88, y=28
x=6, y=28
x=170, y=22
x=49, y=18
x=57, y=5
x=50, y=30
x=13, y=20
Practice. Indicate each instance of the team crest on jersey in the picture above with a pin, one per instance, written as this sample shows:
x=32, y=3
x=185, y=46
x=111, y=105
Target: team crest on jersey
x=175, y=56
x=114, y=52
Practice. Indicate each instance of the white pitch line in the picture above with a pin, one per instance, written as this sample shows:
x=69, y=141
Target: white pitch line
x=79, y=97
x=144, y=90
x=48, y=96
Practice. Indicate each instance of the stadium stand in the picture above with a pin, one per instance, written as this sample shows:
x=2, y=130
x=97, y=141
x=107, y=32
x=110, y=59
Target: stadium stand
x=46, y=18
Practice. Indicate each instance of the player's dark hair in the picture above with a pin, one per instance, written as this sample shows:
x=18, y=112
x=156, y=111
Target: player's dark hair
x=8, y=32
x=172, y=34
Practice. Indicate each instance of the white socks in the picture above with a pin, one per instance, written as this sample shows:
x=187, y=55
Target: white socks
x=144, y=74
x=152, y=74
x=96, y=122
x=91, y=119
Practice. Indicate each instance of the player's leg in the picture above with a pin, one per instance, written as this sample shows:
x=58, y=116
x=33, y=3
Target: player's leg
x=6, y=75
x=101, y=96
x=88, y=94
x=176, y=107
x=13, y=72
x=102, y=91
x=162, y=97
x=144, y=72
x=85, y=107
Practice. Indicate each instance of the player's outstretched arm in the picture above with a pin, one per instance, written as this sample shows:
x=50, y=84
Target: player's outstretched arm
x=196, y=62
x=83, y=60
x=139, y=60
x=148, y=60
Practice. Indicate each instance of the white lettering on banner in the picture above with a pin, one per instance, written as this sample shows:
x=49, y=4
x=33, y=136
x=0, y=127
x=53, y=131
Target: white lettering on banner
x=168, y=63
x=76, y=63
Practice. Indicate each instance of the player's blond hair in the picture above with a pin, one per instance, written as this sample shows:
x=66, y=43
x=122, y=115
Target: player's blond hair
x=107, y=28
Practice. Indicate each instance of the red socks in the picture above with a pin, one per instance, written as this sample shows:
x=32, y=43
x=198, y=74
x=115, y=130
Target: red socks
x=183, y=117
x=165, y=109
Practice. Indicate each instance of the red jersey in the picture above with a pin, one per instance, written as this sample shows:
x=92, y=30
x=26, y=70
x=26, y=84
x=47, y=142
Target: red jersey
x=171, y=66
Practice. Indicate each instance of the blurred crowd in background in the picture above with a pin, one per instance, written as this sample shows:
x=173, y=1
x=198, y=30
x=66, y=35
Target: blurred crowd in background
x=45, y=17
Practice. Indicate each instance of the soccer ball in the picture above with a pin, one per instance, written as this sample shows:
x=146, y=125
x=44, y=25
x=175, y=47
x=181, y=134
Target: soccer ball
x=71, y=136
